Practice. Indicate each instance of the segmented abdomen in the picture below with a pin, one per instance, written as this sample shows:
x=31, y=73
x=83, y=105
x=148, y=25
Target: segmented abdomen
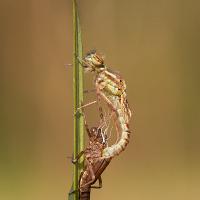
x=112, y=89
x=84, y=195
x=124, y=131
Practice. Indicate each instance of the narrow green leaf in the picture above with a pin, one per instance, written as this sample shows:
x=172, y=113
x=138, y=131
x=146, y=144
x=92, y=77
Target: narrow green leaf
x=78, y=99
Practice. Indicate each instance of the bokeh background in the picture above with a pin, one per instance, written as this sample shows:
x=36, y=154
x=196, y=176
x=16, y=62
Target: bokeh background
x=155, y=46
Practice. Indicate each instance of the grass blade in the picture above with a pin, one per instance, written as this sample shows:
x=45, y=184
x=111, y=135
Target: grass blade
x=78, y=99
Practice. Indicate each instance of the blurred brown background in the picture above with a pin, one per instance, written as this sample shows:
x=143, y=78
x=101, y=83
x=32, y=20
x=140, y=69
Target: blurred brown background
x=155, y=46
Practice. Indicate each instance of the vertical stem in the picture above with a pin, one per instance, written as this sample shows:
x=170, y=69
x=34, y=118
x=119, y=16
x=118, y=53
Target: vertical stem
x=78, y=99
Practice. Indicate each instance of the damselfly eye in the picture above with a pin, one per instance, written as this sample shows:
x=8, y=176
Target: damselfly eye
x=91, y=52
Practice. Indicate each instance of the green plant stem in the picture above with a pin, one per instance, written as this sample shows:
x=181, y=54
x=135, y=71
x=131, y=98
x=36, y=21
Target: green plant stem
x=78, y=98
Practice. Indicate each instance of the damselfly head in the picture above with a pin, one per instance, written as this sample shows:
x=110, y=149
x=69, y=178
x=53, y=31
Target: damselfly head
x=93, y=62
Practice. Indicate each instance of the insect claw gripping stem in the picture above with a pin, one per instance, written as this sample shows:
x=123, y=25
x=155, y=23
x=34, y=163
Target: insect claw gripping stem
x=79, y=110
x=74, y=161
x=79, y=59
x=73, y=191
